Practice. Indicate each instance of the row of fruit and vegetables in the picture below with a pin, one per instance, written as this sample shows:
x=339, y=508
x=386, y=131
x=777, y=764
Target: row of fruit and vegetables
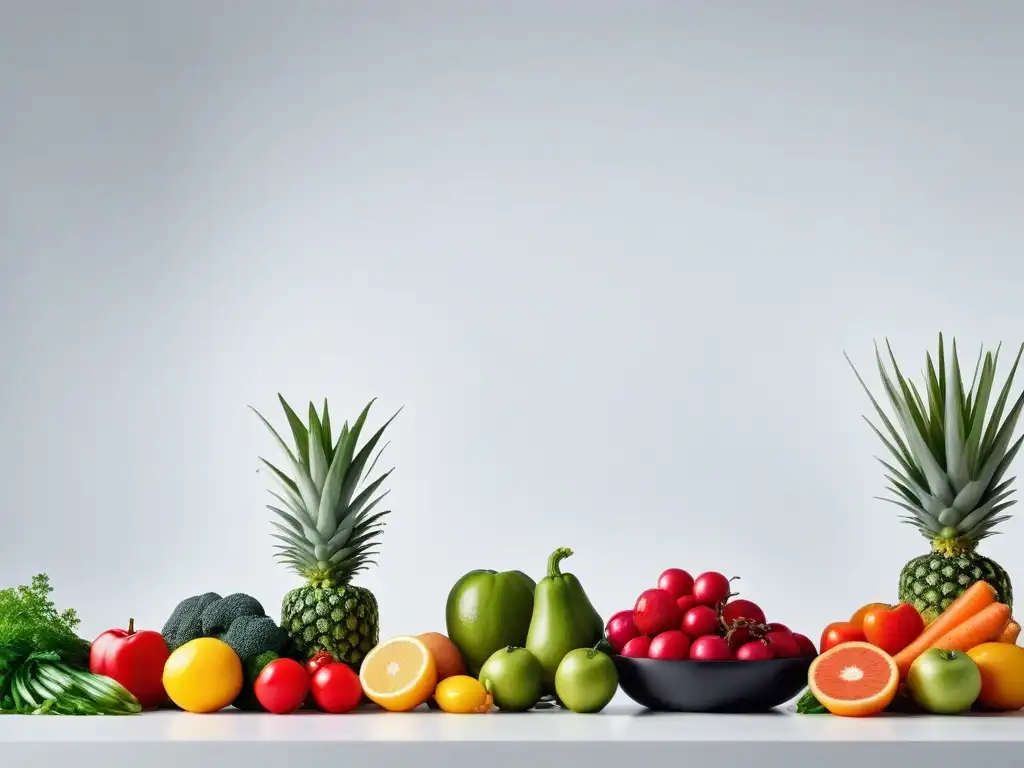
x=512, y=644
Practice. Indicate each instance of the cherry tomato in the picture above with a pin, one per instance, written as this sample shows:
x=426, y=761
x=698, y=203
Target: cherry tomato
x=742, y=609
x=839, y=632
x=893, y=629
x=676, y=582
x=318, y=660
x=710, y=588
x=783, y=645
x=282, y=686
x=858, y=618
x=336, y=688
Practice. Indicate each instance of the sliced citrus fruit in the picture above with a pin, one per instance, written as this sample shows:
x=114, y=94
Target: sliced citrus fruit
x=399, y=674
x=854, y=679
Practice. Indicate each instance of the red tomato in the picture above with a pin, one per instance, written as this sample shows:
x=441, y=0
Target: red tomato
x=776, y=627
x=858, y=618
x=282, y=686
x=676, y=582
x=783, y=645
x=700, y=620
x=319, y=660
x=710, y=648
x=893, y=629
x=637, y=648
x=685, y=603
x=672, y=645
x=655, y=611
x=805, y=644
x=336, y=689
x=620, y=629
x=742, y=609
x=839, y=632
x=710, y=588
x=755, y=651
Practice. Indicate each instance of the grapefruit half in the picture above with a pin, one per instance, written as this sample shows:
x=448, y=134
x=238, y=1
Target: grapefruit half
x=854, y=679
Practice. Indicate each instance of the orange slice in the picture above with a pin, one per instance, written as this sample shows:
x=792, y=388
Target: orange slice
x=854, y=679
x=399, y=674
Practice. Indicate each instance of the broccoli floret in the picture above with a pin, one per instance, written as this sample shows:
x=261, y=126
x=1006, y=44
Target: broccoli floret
x=217, y=616
x=247, y=700
x=252, y=635
x=185, y=623
x=239, y=620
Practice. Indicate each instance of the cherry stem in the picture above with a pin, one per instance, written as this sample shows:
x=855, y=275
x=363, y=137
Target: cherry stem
x=131, y=626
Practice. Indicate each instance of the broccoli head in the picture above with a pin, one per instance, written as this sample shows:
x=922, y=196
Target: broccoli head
x=250, y=636
x=185, y=623
x=239, y=620
x=218, y=615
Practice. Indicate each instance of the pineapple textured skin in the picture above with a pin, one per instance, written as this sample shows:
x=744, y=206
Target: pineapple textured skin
x=343, y=621
x=932, y=582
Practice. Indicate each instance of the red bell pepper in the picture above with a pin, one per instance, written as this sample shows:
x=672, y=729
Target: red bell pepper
x=893, y=628
x=134, y=659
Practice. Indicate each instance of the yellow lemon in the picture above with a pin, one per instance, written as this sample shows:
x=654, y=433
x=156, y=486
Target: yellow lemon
x=399, y=674
x=462, y=695
x=203, y=675
x=1002, y=675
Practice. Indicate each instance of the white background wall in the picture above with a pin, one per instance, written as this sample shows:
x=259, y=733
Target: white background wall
x=608, y=257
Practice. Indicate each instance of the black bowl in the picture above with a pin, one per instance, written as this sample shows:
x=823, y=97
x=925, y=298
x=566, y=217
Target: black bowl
x=712, y=686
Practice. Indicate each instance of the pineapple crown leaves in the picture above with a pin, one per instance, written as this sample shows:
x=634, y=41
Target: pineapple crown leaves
x=328, y=525
x=951, y=450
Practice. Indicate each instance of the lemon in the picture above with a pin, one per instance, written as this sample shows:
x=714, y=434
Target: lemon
x=462, y=695
x=203, y=675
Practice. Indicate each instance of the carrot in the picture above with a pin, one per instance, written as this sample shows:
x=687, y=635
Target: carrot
x=974, y=599
x=982, y=627
x=1010, y=633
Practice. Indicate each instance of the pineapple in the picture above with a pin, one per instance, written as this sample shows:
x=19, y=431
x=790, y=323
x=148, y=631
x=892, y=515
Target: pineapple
x=951, y=454
x=328, y=529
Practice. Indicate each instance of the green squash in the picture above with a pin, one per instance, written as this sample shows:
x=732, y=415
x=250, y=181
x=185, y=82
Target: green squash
x=488, y=610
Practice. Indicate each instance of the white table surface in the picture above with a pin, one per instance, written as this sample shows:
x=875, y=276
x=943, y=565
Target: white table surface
x=623, y=735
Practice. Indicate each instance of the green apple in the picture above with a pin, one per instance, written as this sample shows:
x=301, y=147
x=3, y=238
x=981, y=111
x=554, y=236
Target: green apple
x=944, y=682
x=586, y=680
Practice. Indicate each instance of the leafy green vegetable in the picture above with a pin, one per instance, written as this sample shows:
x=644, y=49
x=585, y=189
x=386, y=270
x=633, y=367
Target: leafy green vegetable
x=809, y=705
x=29, y=623
x=43, y=661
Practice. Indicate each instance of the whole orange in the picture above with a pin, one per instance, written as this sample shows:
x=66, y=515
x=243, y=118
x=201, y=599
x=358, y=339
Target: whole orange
x=447, y=658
